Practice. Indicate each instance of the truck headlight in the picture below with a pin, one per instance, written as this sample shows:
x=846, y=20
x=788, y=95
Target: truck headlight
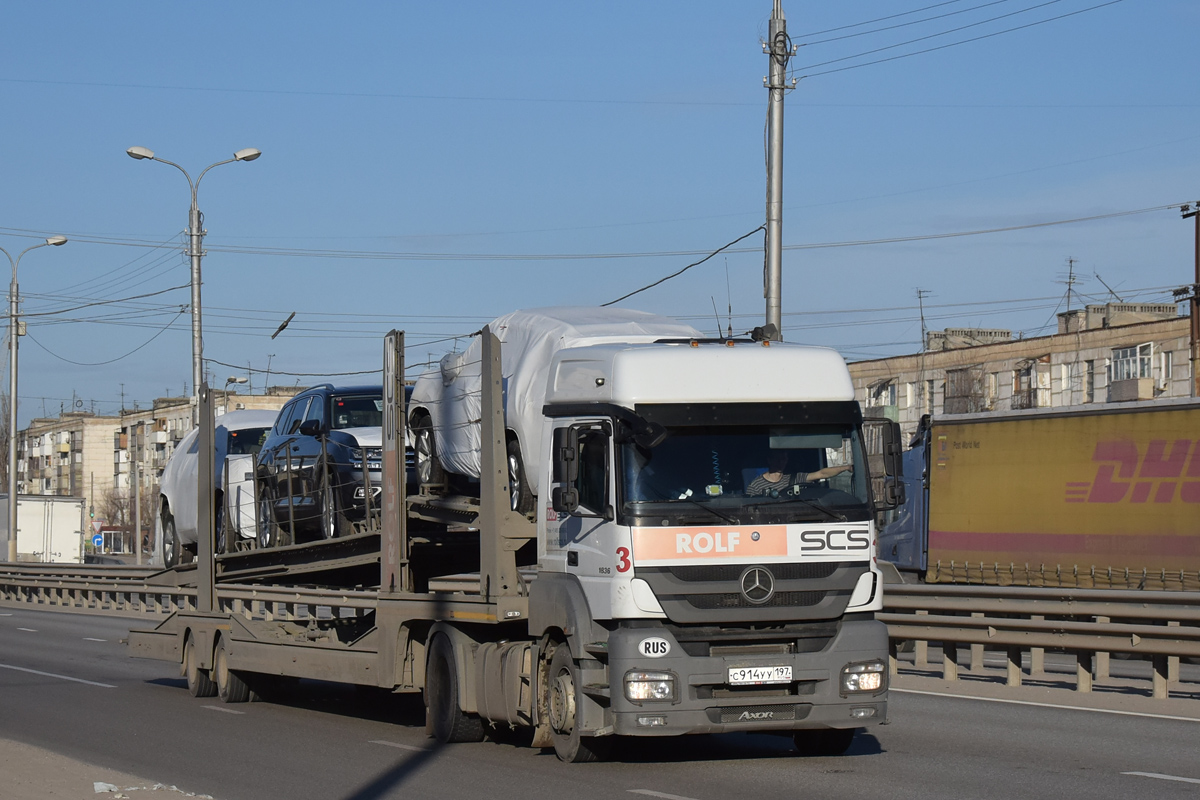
x=655, y=687
x=865, y=676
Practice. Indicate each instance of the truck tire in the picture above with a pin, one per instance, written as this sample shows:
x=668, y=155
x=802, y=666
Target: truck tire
x=198, y=682
x=230, y=687
x=563, y=699
x=428, y=466
x=170, y=541
x=824, y=741
x=521, y=498
x=446, y=720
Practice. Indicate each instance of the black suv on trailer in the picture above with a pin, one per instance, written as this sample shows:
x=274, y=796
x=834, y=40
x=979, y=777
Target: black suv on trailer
x=310, y=468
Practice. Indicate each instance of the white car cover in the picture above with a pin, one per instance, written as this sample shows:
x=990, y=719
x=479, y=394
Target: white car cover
x=530, y=338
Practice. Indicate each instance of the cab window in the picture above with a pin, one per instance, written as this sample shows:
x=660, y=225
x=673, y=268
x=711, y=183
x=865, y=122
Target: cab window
x=592, y=484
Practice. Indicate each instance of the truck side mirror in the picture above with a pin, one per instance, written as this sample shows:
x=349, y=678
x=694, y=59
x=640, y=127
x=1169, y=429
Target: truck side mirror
x=893, y=451
x=566, y=457
x=893, y=467
x=565, y=499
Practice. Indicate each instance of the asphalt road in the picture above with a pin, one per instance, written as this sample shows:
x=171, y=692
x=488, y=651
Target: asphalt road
x=68, y=685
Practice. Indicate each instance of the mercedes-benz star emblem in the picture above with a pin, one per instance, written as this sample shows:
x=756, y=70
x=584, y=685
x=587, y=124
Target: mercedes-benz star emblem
x=758, y=585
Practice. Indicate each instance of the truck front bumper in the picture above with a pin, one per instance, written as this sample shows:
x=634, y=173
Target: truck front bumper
x=705, y=702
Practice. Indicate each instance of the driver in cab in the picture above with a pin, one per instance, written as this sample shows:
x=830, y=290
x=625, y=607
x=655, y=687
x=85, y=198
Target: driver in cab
x=775, y=481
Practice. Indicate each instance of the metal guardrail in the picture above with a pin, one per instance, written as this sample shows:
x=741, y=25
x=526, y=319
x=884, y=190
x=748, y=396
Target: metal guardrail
x=1091, y=624
x=120, y=591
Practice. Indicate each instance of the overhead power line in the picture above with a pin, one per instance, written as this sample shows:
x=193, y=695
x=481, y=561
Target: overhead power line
x=927, y=37
x=111, y=360
x=951, y=44
x=385, y=255
x=685, y=269
x=907, y=24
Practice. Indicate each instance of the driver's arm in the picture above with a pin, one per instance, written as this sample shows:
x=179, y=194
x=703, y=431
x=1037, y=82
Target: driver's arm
x=828, y=472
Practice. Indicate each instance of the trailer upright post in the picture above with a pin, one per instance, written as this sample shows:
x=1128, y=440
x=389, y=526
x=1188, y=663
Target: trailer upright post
x=501, y=530
x=205, y=538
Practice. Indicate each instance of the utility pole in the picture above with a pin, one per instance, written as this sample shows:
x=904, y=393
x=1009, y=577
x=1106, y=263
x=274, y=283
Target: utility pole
x=927, y=402
x=137, y=510
x=779, y=49
x=1193, y=212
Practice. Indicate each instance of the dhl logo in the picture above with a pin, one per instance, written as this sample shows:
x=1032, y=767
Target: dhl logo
x=1124, y=472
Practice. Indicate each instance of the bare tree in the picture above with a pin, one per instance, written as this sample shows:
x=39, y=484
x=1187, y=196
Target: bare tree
x=116, y=510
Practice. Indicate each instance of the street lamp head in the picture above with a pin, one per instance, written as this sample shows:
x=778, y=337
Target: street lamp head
x=249, y=154
x=140, y=152
x=234, y=379
x=56, y=240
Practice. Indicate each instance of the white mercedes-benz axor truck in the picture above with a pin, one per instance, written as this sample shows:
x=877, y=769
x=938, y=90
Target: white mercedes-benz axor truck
x=709, y=539
x=700, y=559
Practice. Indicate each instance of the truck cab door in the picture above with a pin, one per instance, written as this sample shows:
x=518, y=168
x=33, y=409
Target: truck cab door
x=582, y=497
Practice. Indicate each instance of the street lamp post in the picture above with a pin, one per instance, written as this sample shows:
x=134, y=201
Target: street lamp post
x=13, y=336
x=195, y=252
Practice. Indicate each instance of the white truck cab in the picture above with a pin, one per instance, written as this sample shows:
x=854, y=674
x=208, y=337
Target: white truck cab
x=708, y=522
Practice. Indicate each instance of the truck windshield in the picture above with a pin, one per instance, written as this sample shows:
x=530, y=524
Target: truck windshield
x=746, y=475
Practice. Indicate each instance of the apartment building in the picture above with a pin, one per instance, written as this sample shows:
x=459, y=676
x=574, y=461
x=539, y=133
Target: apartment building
x=68, y=456
x=1107, y=353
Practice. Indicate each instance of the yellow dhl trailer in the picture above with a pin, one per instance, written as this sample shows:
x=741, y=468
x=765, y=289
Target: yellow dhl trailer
x=1099, y=496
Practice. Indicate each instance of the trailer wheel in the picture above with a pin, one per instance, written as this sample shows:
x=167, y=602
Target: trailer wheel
x=198, y=682
x=563, y=700
x=429, y=467
x=823, y=741
x=520, y=497
x=170, y=541
x=230, y=687
x=447, y=721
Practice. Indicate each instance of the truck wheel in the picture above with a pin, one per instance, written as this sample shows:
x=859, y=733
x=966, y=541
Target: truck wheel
x=198, y=682
x=447, y=721
x=429, y=468
x=230, y=687
x=268, y=531
x=333, y=521
x=521, y=498
x=170, y=541
x=563, y=699
x=824, y=741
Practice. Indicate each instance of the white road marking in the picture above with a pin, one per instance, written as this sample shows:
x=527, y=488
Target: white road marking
x=60, y=677
x=28, y=630
x=1162, y=777
x=399, y=746
x=90, y=639
x=1049, y=705
x=225, y=710
x=663, y=795
x=5, y=615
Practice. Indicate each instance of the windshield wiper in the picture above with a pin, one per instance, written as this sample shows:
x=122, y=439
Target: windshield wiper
x=697, y=504
x=824, y=509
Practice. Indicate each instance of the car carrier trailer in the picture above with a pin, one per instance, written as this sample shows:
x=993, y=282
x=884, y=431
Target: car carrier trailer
x=654, y=628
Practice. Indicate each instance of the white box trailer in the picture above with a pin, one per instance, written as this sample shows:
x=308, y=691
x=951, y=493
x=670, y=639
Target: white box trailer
x=49, y=528
x=666, y=595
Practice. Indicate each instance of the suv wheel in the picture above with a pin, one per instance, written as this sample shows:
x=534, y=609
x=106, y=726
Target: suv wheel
x=429, y=468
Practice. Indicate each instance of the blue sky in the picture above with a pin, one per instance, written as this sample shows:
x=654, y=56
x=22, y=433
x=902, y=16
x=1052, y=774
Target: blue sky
x=472, y=154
